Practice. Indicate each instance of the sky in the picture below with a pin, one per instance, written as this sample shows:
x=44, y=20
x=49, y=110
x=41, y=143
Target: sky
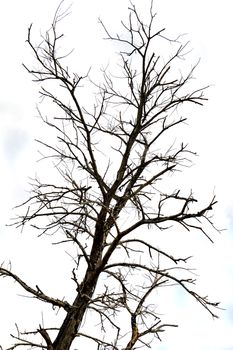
x=207, y=25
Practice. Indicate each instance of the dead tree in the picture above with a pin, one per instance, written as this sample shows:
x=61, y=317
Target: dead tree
x=114, y=159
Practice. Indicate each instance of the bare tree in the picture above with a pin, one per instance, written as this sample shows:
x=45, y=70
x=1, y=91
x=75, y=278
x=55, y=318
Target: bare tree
x=111, y=158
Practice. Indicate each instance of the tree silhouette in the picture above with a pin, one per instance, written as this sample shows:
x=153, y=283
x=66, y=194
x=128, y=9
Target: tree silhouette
x=116, y=161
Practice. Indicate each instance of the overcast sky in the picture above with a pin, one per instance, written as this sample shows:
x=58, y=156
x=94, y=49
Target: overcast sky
x=208, y=25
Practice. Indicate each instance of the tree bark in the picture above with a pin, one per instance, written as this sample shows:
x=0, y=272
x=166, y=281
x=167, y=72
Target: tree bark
x=74, y=317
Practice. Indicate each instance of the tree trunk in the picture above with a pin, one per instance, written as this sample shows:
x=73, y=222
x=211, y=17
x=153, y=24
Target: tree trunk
x=74, y=317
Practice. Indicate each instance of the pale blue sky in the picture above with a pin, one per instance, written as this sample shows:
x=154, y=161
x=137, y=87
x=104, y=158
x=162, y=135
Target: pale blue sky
x=208, y=25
